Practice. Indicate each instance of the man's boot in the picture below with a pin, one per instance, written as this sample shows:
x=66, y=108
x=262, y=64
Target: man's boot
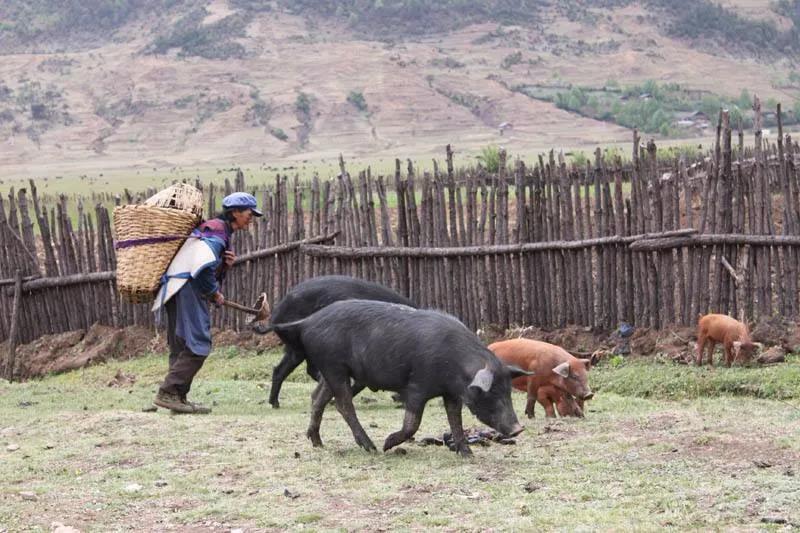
x=171, y=401
x=172, y=393
x=196, y=408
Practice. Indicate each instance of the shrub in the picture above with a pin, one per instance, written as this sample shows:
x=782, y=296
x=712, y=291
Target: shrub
x=279, y=134
x=745, y=101
x=447, y=62
x=259, y=113
x=490, y=158
x=302, y=104
x=511, y=60
x=707, y=20
x=211, y=41
x=578, y=158
x=384, y=19
x=357, y=99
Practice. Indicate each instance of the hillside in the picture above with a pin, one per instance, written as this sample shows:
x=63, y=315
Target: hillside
x=116, y=84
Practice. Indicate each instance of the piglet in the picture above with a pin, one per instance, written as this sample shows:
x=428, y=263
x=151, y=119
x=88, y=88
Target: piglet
x=733, y=335
x=551, y=366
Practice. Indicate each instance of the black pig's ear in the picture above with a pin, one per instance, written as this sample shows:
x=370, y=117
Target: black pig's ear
x=483, y=379
x=517, y=372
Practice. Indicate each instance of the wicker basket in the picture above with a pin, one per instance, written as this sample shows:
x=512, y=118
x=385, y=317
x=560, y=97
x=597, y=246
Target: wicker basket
x=179, y=196
x=147, y=239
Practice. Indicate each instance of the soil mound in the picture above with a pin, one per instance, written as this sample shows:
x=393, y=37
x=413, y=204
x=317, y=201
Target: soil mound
x=78, y=349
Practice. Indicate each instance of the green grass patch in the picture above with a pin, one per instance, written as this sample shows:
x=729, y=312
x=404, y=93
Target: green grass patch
x=646, y=378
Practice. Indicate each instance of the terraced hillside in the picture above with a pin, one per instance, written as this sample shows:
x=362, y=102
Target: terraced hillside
x=118, y=84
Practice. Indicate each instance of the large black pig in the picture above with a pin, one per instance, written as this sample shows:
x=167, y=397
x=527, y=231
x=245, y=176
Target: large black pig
x=306, y=298
x=419, y=354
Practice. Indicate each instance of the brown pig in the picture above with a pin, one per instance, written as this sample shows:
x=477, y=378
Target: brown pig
x=566, y=404
x=733, y=335
x=552, y=366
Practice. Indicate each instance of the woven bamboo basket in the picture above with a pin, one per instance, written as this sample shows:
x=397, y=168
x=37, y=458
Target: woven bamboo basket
x=179, y=196
x=148, y=237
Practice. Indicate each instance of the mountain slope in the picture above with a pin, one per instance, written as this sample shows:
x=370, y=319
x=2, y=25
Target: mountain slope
x=171, y=82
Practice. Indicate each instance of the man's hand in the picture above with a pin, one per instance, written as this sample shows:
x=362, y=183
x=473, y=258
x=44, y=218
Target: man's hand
x=229, y=258
x=218, y=299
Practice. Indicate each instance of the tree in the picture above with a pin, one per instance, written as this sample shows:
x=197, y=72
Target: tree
x=745, y=100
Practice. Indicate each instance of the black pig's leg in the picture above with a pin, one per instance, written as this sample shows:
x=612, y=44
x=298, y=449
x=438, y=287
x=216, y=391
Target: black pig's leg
x=344, y=403
x=453, y=408
x=319, y=399
x=356, y=388
x=410, y=426
x=312, y=371
x=291, y=359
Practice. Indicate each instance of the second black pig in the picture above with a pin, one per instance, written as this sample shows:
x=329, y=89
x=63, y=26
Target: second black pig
x=306, y=298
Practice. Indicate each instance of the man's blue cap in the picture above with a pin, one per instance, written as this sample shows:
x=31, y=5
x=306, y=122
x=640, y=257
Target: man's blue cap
x=241, y=200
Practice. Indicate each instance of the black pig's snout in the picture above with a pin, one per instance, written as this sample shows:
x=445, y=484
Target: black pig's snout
x=516, y=430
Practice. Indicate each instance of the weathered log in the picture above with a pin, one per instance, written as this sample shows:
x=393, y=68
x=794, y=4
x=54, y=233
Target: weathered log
x=648, y=245
x=487, y=250
x=266, y=252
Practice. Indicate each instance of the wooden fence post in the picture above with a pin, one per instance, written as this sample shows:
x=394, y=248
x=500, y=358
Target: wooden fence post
x=12, y=339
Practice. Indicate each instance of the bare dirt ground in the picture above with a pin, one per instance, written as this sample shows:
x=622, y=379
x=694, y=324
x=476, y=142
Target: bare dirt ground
x=53, y=354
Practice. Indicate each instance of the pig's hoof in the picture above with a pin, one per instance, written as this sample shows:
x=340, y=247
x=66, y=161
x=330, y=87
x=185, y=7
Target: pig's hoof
x=392, y=440
x=367, y=444
x=464, y=451
x=315, y=439
x=275, y=405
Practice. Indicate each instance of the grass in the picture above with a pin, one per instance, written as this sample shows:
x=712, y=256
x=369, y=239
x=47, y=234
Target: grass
x=642, y=459
x=666, y=380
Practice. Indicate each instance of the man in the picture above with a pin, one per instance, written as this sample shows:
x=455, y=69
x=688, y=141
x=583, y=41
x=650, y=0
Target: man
x=191, y=282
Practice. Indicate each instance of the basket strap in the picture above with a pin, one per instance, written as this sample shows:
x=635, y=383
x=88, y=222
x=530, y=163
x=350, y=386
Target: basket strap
x=163, y=291
x=119, y=245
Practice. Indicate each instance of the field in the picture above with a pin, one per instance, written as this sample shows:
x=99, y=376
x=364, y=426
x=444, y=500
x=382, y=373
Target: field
x=663, y=446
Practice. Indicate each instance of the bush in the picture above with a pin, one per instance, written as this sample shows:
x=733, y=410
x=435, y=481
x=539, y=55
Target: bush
x=259, y=113
x=29, y=21
x=279, y=134
x=706, y=20
x=211, y=41
x=511, y=60
x=357, y=99
x=447, y=62
x=255, y=6
x=384, y=19
x=689, y=152
x=490, y=158
x=302, y=104
x=745, y=101
x=578, y=158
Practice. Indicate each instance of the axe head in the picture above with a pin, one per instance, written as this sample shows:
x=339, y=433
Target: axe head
x=262, y=308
